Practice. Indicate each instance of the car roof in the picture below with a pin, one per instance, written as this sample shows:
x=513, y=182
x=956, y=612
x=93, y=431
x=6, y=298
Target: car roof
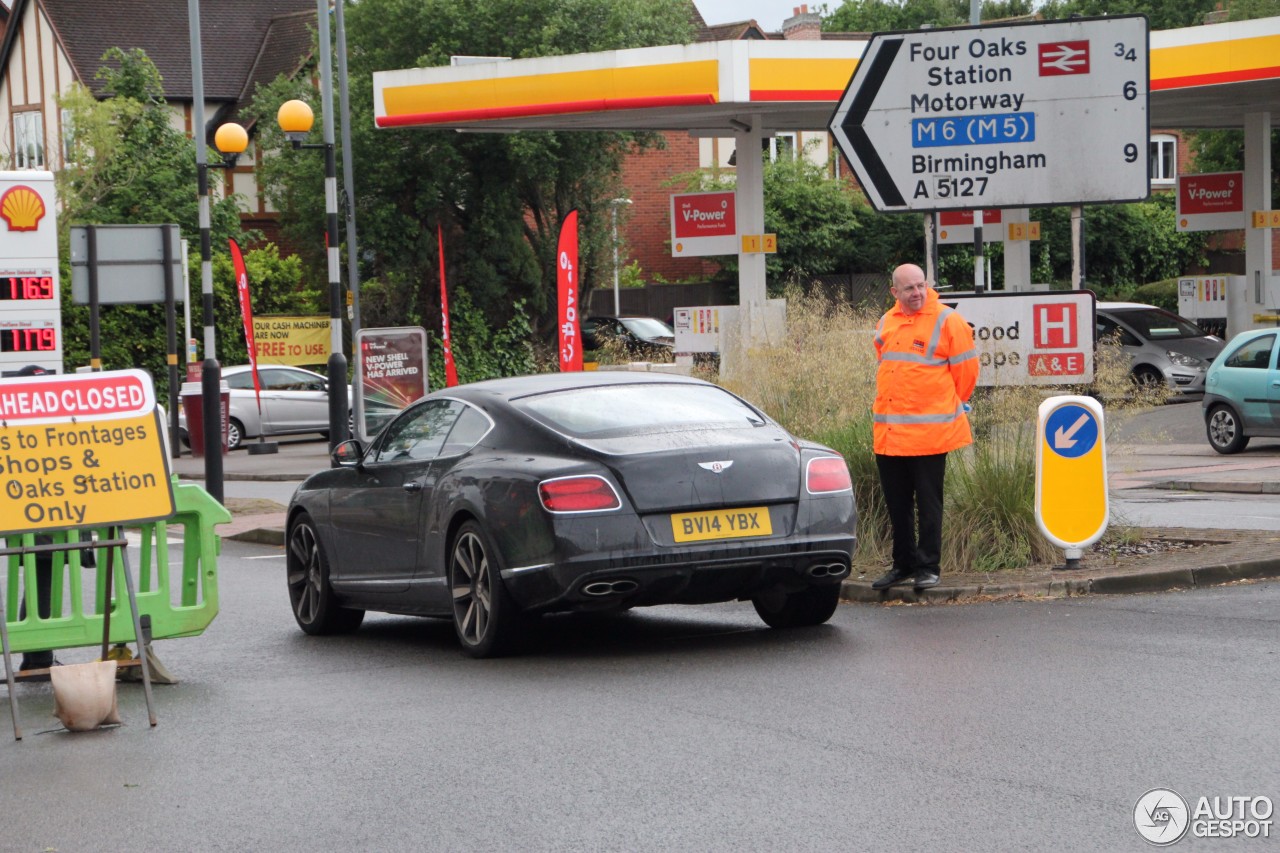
x=1240, y=337
x=241, y=368
x=513, y=387
x=622, y=317
x=1116, y=306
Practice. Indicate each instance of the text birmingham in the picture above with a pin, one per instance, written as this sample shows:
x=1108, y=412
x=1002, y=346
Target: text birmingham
x=989, y=165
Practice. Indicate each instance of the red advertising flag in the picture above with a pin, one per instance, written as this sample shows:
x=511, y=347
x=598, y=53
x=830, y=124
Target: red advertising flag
x=450, y=369
x=567, y=285
x=246, y=315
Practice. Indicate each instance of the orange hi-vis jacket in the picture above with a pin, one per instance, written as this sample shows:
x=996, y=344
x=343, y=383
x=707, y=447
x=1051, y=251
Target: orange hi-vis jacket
x=928, y=369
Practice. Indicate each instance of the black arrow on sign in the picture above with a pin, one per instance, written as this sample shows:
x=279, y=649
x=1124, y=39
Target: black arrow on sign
x=852, y=124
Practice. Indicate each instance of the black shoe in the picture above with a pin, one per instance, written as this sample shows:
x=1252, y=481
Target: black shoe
x=893, y=577
x=925, y=579
x=40, y=667
x=37, y=660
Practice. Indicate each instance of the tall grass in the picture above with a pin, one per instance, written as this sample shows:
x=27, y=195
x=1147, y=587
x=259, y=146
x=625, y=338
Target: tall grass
x=819, y=382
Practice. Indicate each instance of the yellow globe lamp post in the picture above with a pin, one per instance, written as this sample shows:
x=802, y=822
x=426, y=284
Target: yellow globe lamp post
x=231, y=140
x=295, y=119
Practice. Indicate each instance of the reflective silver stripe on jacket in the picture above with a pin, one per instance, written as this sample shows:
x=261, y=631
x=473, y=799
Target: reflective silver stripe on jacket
x=912, y=357
x=944, y=418
x=928, y=358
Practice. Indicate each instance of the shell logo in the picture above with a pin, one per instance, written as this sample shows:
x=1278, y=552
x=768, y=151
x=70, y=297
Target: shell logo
x=22, y=208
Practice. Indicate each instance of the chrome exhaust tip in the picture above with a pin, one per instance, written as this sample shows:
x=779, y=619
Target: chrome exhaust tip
x=827, y=570
x=599, y=589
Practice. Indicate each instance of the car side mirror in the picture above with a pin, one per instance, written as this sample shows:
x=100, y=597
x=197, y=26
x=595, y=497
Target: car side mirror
x=348, y=454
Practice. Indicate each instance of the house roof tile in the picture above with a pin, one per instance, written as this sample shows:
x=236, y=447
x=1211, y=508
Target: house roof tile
x=233, y=35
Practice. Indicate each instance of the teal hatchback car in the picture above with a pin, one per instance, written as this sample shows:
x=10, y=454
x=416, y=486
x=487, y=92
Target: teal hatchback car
x=1242, y=391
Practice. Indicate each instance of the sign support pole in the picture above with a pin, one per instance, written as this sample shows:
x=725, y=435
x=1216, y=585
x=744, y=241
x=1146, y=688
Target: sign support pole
x=1077, y=247
x=931, y=247
x=139, y=637
x=8, y=668
x=210, y=371
x=979, y=261
x=95, y=330
x=171, y=336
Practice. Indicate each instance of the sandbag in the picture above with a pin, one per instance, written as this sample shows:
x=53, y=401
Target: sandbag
x=84, y=695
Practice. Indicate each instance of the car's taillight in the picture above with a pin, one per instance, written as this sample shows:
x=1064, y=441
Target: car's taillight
x=827, y=474
x=577, y=494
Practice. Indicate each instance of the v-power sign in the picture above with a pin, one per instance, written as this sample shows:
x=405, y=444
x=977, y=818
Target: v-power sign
x=1013, y=115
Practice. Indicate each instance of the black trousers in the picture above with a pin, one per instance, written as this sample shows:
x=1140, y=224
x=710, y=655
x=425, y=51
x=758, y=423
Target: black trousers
x=912, y=487
x=44, y=602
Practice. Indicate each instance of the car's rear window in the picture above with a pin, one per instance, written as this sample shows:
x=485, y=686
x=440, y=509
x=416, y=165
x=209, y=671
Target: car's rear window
x=630, y=409
x=1157, y=325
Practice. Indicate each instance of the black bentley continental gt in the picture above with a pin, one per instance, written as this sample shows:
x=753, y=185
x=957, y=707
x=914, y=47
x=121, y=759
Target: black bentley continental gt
x=493, y=502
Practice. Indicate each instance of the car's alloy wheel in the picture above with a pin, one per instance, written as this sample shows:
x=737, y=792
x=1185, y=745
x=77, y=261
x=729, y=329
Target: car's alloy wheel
x=810, y=606
x=1148, y=377
x=315, y=606
x=484, y=616
x=235, y=434
x=1224, y=431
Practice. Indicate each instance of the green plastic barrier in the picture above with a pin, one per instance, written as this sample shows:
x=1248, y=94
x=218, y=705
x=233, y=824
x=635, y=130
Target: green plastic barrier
x=75, y=618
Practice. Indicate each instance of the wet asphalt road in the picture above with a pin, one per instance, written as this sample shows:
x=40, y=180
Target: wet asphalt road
x=1001, y=726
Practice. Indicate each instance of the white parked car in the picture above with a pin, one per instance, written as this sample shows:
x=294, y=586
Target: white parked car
x=294, y=401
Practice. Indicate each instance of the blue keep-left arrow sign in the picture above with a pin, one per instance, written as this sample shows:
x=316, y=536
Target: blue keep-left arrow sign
x=1071, y=431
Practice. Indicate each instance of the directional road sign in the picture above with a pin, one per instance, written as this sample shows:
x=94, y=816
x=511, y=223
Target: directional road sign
x=1013, y=115
x=1071, y=472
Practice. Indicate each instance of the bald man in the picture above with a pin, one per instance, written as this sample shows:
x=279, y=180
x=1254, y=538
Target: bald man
x=928, y=368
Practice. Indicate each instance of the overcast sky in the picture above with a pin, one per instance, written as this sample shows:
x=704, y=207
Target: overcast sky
x=769, y=14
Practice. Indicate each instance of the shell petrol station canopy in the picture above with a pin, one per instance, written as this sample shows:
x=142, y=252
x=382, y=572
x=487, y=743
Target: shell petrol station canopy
x=1208, y=76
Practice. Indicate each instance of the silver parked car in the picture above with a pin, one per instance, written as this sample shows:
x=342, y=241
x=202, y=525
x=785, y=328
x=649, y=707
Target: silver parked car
x=294, y=401
x=1162, y=346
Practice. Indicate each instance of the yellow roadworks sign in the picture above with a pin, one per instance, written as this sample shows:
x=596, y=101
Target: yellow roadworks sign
x=1071, y=472
x=81, y=450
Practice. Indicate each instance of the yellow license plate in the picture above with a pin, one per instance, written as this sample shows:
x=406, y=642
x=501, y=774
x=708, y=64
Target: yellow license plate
x=721, y=524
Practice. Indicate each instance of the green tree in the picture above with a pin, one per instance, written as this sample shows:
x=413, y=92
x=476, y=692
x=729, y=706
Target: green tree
x=498, y=198
x=128, y=164
x=1161, y=14
x=866, y=16
x=1127, y=245
x=824, y=225
x=814, y=217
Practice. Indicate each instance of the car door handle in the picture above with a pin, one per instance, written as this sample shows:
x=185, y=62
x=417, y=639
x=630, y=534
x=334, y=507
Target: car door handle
x=413, y=487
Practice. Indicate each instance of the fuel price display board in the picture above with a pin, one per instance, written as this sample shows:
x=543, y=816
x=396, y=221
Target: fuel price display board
x=30, y=299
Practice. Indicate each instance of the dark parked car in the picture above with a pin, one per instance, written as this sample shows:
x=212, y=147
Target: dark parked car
x=642, y=337
x=1242, y=393
x=492, y=502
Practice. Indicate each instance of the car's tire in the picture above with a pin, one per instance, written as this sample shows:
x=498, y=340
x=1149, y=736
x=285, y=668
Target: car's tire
x=1223, y=428
x=235, y=434
x=1148, y=377
x=810, y=606
x=315, y=607
x=485, y=618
